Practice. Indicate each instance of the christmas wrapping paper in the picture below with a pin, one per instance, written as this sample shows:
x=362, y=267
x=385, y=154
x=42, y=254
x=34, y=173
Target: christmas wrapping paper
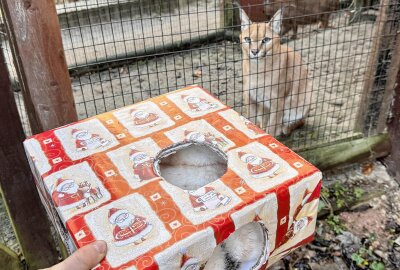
x=99, y=180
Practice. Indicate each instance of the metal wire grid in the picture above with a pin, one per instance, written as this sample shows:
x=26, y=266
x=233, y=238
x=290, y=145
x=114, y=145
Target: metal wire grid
x=214, y=62
x=211, y=56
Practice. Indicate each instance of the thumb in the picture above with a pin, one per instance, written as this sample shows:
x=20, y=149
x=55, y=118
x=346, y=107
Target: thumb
x=84, y=258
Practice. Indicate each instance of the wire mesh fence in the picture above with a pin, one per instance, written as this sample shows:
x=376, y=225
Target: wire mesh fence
x=121, y=52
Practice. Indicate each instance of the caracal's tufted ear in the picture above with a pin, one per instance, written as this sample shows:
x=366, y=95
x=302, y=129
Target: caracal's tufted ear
x=276, y=22
x=245, y=21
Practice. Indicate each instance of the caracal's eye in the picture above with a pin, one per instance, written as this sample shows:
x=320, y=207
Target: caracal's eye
x=265, y=40
x=247, y=39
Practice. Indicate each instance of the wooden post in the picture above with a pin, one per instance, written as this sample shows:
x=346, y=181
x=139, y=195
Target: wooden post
x=381, y=77
x=29, y=219
x=39, y=58
x=394, y=131
x=254, y=9
x=358, y=150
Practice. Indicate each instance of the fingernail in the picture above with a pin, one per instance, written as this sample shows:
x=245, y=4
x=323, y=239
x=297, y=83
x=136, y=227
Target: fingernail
x=100, y=246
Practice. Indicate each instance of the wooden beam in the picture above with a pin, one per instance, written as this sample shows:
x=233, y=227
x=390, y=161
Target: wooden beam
x=394, y=130
x=8, y=259
x=39, y=58
x=358, y=150
x=28, y=217
x=392, y=36
x=373, y=62
x=380, y=75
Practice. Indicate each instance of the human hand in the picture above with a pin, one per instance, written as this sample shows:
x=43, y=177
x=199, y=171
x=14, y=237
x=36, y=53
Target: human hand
x=84, y=258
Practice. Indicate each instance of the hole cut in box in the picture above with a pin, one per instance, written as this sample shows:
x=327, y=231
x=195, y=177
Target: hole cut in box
x=191, y=165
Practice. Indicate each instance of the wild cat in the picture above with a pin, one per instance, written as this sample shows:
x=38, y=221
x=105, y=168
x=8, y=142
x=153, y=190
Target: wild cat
x=275, y=79
x=194, y=167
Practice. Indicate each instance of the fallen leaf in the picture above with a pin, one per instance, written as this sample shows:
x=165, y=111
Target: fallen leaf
x=367, y=168
x=197, y=73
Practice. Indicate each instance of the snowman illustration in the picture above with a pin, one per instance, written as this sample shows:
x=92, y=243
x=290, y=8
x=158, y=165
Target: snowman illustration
x=197, y=104
x=206, y=198
x=84, y=140
x=142, y=118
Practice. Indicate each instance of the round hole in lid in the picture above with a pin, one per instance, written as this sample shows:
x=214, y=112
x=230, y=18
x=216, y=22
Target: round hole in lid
x=191, y=166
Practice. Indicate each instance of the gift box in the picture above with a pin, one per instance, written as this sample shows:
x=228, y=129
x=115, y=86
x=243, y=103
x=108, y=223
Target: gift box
x=99, y=179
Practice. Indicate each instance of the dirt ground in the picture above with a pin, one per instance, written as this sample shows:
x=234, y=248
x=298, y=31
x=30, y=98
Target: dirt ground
x=365, y=235
x=336, y=58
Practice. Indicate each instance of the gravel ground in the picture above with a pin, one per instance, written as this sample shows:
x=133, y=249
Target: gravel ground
x=363, y=236
x=7, y=236
x=336, y=58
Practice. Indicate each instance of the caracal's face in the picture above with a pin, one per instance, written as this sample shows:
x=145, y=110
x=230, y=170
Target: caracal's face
x=257, y=40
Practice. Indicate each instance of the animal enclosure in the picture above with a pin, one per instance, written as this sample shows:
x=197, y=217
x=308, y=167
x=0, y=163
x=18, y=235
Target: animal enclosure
x=122, y=52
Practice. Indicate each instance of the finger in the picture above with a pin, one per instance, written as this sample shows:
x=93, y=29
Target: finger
x=84, y=258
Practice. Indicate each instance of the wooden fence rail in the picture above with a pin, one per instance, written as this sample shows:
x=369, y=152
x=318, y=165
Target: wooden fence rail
x=17, y=185
x=39, y=59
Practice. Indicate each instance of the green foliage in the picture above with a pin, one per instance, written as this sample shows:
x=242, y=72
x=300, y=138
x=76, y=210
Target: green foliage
x=335, y=224
x=339, y=190
x=321, y=205
x=358, y=192
x=359, y=260
x=325, y=192
x=375, y=265
x=341, y=195
x=364, y=258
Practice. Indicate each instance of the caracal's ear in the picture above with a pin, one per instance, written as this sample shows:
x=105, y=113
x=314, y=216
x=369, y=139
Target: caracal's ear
x=276, y=22
x=245, y=21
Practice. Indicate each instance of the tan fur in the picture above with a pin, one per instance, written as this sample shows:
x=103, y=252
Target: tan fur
x=275, y=80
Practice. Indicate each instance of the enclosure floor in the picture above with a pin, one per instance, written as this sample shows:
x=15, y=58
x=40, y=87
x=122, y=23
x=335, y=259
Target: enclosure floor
x=337, y=60
x=7, y=236
x=137, y=34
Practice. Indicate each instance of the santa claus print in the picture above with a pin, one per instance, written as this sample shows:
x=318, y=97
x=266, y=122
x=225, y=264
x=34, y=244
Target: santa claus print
x=84, y=140
x=129, y=228
x=252, y=127
x=259, y=167
x=197, y=104
x=206, y=198
x=189, y=263
x=142, y=118
x=143, y=165
x=299, y=222
x=196, y=136
x=67, y=194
